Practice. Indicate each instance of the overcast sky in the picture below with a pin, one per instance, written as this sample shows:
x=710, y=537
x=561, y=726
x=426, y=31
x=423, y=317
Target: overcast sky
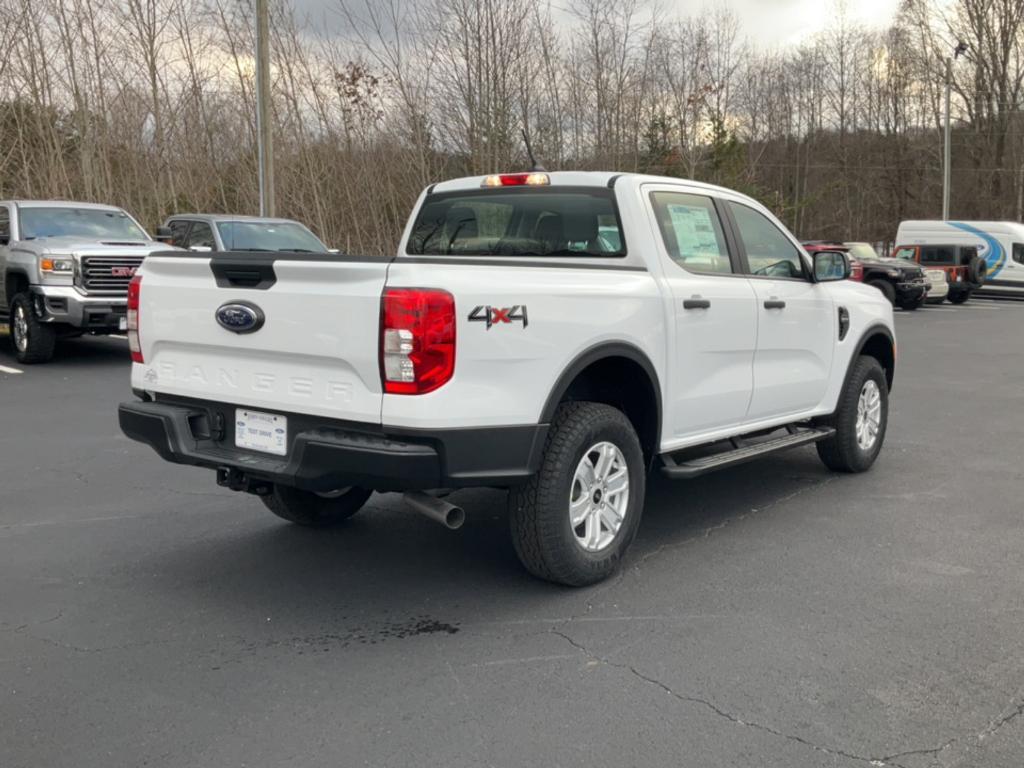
x=777, y=22
x=769, y=23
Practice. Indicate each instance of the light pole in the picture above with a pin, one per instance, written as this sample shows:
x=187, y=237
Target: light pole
x=264, y=124
x=947, y=171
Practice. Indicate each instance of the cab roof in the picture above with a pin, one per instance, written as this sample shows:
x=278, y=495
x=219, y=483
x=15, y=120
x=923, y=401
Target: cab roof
x=229, y=218
x=582, y=179
x=62, y=204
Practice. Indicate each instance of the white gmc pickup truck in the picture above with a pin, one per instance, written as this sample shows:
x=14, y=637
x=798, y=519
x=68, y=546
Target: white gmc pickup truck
x=560, y=335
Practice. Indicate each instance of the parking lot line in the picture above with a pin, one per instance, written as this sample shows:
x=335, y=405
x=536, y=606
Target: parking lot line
x=117, y=336
x=8, y=369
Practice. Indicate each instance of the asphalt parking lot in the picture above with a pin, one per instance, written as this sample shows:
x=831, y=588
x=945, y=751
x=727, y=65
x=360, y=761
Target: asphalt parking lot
x=773, y=614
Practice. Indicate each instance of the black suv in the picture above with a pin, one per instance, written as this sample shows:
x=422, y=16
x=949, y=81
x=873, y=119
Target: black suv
x=902, y=283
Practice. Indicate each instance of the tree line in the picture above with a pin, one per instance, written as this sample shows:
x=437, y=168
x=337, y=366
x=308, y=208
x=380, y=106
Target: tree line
x=149, y=104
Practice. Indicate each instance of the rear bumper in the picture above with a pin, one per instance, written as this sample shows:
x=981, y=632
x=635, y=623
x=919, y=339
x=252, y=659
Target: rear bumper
x=325, y=455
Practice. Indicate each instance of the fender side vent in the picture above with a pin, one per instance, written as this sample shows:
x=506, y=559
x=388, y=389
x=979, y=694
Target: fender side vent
x=844, y=322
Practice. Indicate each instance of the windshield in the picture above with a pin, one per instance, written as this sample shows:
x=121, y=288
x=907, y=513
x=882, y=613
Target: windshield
x=862, y=251
x=268, y=236
x=89, y=223
x=907, y=254
x=519, y=222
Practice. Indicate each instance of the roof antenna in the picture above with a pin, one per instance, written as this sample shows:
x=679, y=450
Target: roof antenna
x=535, y=166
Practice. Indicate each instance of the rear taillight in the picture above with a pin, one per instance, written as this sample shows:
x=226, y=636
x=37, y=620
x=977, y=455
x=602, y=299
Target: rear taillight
x=856, y=270
x=134, y=292
x=417, y=340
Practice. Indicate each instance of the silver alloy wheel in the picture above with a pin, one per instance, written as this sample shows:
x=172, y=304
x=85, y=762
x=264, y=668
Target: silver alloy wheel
x=599, y=496
x=20, y=328
x=869, y=415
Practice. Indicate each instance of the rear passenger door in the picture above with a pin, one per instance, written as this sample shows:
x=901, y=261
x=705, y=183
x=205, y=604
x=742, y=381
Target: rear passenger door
x=715, y=323
x=796, y=318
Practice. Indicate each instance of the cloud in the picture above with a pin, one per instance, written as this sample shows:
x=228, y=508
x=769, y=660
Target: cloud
x=768, y=23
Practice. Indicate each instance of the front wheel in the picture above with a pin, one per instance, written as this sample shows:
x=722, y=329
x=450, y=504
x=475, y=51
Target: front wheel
x=860, y=420
x=572, y=522
x=34, y=341
x=316, y=510
x=909, y=305
x=886, y=289
x=960, y=297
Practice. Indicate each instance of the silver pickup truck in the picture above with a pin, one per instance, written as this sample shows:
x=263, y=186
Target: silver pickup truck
x=64, y=271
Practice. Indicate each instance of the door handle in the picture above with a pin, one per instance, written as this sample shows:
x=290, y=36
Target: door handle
x=696, y=303
x=775, y=304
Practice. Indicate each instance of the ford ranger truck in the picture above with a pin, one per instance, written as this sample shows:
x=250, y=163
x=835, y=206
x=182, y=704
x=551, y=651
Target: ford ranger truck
x=64, y=271
x=559, y=335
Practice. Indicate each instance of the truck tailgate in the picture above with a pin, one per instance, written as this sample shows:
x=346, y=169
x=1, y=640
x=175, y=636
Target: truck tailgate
x=316, y=352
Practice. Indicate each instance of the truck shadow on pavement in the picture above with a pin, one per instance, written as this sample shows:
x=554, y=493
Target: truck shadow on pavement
x=87, y=350
x=388, y=562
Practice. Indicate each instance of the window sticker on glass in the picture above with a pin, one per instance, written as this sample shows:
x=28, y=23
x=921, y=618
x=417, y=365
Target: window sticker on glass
x=695, y=236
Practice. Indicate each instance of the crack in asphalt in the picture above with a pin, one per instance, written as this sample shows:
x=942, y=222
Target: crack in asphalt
x=717, y=710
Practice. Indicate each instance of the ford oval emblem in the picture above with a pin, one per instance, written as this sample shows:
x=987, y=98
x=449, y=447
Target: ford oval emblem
x=240, y=317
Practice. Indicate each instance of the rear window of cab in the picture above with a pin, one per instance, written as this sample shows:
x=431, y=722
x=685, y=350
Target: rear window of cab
x=553, y=222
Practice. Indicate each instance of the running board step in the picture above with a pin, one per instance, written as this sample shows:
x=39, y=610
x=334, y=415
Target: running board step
x=741, y=452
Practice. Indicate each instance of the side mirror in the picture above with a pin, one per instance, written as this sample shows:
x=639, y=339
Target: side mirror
x=200, y=249
x=830, y=266
x=164, y=235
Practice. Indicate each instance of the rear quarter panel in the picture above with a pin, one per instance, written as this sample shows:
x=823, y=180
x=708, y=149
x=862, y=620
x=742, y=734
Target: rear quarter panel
x=505, y=373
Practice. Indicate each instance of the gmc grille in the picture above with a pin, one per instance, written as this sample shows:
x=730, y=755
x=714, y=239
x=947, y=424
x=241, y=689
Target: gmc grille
x=108, y=274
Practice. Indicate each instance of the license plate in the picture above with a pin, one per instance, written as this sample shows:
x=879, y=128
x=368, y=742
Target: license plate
x=264, y=432
x=122, y=323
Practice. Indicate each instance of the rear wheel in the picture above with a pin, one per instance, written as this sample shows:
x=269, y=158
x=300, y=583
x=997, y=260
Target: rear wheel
x=910, y=305
x=572, y=522
x=886, y=288
x=316, y=510
x=33, y=341
x=860, y=420
x=960, y=297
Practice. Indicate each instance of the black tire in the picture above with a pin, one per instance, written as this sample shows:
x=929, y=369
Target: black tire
x=539, y=515
x=313, y=510
x=886, y=288
x=842, y=452
x=33, y=341
x=977, y=271
x=909, y=305
x=960, y=297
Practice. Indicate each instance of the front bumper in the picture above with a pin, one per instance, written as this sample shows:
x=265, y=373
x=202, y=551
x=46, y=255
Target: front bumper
x=325, y=455
x=911, y=289
x=65, y=304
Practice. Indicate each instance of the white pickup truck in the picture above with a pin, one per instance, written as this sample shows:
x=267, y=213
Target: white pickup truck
x=560, y=335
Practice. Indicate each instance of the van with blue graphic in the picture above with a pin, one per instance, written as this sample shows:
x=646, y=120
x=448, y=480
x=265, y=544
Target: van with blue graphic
x=975, y=254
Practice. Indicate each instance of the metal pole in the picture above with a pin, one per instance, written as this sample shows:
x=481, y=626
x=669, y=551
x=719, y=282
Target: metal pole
x=947, y=159
x=264, y=126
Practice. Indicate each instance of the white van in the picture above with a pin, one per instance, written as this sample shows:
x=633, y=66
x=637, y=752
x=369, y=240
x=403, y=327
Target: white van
x=999, y=243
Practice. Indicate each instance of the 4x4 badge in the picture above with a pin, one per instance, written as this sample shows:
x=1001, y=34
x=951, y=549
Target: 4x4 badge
x=497, y=315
